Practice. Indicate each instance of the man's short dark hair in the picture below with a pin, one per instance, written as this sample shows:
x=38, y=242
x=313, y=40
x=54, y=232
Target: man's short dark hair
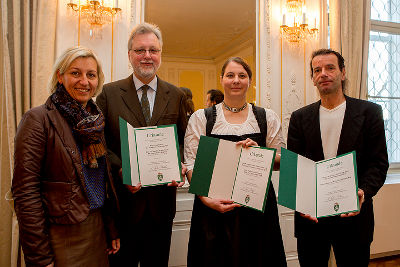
x=216, y=95
x=325, y=51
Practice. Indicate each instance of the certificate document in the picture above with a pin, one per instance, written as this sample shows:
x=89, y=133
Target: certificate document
x=320, y=189
x=225, y=170
x=150, y=155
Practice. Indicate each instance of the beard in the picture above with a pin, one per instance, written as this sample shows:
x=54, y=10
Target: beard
x=146, y=72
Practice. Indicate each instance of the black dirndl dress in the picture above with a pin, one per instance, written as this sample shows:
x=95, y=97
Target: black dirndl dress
x=241, y=237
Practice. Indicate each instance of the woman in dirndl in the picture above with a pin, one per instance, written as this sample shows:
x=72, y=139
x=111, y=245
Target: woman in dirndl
x=224, y=233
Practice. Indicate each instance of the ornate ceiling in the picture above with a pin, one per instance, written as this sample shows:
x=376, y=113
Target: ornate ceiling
x=202, y=29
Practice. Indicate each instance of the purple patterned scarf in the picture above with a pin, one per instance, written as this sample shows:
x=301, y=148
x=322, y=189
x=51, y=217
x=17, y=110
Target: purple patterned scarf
x=87, y=124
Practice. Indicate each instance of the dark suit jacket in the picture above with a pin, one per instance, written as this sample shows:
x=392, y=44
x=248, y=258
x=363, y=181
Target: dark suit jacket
x=362, y=131
x=119, y=99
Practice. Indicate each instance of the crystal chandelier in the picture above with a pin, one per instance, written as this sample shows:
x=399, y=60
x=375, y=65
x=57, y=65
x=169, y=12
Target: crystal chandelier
x=96, y=14
x=294, y=26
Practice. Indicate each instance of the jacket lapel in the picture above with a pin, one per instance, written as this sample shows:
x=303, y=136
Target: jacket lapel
x=314, y=132
x=160, y=102
x=61, y=126
x=64, y=131
x=352, y=123
x=131, y=100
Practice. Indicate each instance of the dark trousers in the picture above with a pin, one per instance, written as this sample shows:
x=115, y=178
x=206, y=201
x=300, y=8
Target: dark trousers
x=146, y=242
x=350, y=250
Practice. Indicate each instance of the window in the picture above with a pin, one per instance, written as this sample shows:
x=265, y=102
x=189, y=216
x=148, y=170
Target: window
x=384, y=69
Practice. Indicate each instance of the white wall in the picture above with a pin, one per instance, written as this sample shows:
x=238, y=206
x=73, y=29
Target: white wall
x=67, y=36
x=387, y=218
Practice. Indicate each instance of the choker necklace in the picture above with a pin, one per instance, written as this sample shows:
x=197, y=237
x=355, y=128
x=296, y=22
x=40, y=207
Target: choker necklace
x=234, y=110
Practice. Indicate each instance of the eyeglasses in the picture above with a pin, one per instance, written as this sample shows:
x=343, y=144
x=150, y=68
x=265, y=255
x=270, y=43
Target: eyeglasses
x=143, y=51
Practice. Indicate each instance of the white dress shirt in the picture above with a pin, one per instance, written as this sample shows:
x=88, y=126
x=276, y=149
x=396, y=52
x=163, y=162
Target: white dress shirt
x=151, y=93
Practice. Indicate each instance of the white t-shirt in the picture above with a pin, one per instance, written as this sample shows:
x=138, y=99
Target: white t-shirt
x=331, y=121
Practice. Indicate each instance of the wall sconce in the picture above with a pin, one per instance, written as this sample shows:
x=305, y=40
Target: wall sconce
x=294, y=26
x=96, y=13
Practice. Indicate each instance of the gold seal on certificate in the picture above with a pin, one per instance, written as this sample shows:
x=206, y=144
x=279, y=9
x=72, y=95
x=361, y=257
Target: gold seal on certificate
x=150, y=155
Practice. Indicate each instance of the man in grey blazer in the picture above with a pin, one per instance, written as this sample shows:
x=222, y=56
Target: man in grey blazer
x=143, y=99
x=335, y=125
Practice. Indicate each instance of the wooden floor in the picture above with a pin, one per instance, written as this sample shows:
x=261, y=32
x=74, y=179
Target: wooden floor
x=393, y=261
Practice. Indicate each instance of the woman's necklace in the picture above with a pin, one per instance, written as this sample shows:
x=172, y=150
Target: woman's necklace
x=234, y=110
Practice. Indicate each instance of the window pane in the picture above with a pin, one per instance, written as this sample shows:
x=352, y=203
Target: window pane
x=390, y=115
x=385, y=10
x=384, y=65
x=384, y=85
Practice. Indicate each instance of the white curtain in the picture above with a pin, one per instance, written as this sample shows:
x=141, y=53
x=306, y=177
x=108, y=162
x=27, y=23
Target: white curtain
x=350, y=25
x=28, y=30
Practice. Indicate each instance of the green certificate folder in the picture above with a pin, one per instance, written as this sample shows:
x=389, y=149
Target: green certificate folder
x=150, y=155
x=225, y=170
x=324, y=188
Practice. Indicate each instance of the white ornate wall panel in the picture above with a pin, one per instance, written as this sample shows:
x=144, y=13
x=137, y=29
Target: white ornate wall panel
x=265, y=58
x=284, y=79
x=284, y=84
x=181, y=227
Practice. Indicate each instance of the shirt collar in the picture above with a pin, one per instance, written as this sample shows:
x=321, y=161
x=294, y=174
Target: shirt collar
x=139, y=84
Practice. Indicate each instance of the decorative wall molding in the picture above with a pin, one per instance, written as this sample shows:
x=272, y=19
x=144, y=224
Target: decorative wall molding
x=268, y=97
x=172, y=77
x=292, y=98
x=268, y=62
x=212, y=76
x=132, y=11
x=186, y=60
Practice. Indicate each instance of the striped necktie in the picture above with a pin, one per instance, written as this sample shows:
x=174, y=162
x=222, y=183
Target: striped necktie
x=145, y=104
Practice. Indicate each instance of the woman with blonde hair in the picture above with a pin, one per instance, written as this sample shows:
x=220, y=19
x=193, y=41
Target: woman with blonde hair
x=63, y=191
